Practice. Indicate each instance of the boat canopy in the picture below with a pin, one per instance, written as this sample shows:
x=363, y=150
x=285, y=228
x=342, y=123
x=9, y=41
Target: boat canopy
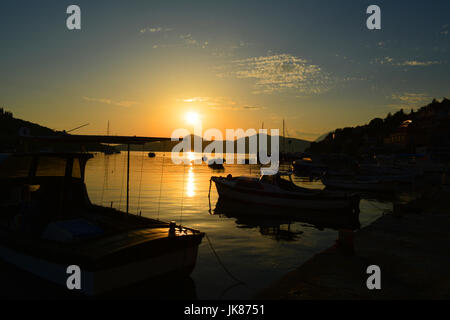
x=277, y=178
x=22, y=165
x=85, y=139
x=283, y=173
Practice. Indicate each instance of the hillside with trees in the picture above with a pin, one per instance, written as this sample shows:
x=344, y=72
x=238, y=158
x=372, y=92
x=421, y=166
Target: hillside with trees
x=428, y=128
x=12, y=128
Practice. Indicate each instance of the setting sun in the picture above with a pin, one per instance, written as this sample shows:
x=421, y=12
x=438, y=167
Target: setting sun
x=192, y=118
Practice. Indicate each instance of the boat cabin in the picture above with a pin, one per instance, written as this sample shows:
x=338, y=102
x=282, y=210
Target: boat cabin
x=281, y=179
x=37, y=188
x=276, y=178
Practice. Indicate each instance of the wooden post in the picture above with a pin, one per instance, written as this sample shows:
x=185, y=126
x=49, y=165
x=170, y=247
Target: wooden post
x=128, y=176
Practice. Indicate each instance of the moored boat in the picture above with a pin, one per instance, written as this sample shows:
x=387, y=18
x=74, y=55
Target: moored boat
x=216, y=164
x=279, y=192
x=305, y=167
x=48, y=223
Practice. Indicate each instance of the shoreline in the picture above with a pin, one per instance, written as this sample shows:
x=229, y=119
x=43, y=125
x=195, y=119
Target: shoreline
x=411, y=247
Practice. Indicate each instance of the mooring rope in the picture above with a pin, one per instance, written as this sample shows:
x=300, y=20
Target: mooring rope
x=221, y=263
x=160, y=183
x=105, y=177
x=182, y=193
x=140, y=181
x=123, y=178
x=209, y=196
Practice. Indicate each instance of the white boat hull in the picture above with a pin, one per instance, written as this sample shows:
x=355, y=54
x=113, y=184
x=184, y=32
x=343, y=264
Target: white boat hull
x=281, y=201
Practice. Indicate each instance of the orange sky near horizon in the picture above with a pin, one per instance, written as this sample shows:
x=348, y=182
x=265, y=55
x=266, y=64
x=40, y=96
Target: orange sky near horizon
x=143, y=66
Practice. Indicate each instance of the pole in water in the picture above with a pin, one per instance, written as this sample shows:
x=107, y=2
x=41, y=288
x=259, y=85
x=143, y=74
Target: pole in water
x=128, y=176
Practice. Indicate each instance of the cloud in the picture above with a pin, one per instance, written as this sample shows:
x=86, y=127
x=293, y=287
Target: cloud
x=195, y=99
x=280, y=72
x=229, y=49
x=162, y=39
x=220, y=103
x=409, y=100
x=122, y=103
x=385, y=60
x=415, y=63
x=189, y=41
x=406, y=63
x=174, y=39
x=155, y=30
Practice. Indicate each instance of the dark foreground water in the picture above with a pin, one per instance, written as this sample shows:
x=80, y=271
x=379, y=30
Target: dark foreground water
x=255, y=251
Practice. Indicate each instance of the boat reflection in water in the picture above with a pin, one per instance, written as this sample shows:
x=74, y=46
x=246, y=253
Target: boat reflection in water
x=276, y=223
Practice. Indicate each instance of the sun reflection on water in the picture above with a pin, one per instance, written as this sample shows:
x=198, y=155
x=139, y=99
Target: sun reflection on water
x=190, y=186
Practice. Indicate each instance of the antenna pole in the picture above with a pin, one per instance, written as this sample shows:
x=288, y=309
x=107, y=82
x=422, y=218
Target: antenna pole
x=84, y=125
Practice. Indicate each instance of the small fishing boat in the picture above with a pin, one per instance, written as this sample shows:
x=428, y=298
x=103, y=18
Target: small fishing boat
x=48, y=223
x=216, y=164
x=277, y=191
x=305, y=167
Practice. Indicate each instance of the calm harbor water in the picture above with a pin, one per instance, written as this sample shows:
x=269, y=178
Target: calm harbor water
x=256, y=252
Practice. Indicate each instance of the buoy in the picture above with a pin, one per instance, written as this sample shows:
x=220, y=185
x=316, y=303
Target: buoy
x=172, y=226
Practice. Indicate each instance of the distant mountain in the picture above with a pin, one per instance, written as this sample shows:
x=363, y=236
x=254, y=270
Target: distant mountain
x=287, y=145
x=322, y=137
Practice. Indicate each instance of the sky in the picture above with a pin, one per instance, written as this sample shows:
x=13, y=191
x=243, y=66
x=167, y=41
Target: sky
x=144, y=65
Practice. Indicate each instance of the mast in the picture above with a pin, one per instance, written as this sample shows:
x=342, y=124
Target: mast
x=128, y=176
